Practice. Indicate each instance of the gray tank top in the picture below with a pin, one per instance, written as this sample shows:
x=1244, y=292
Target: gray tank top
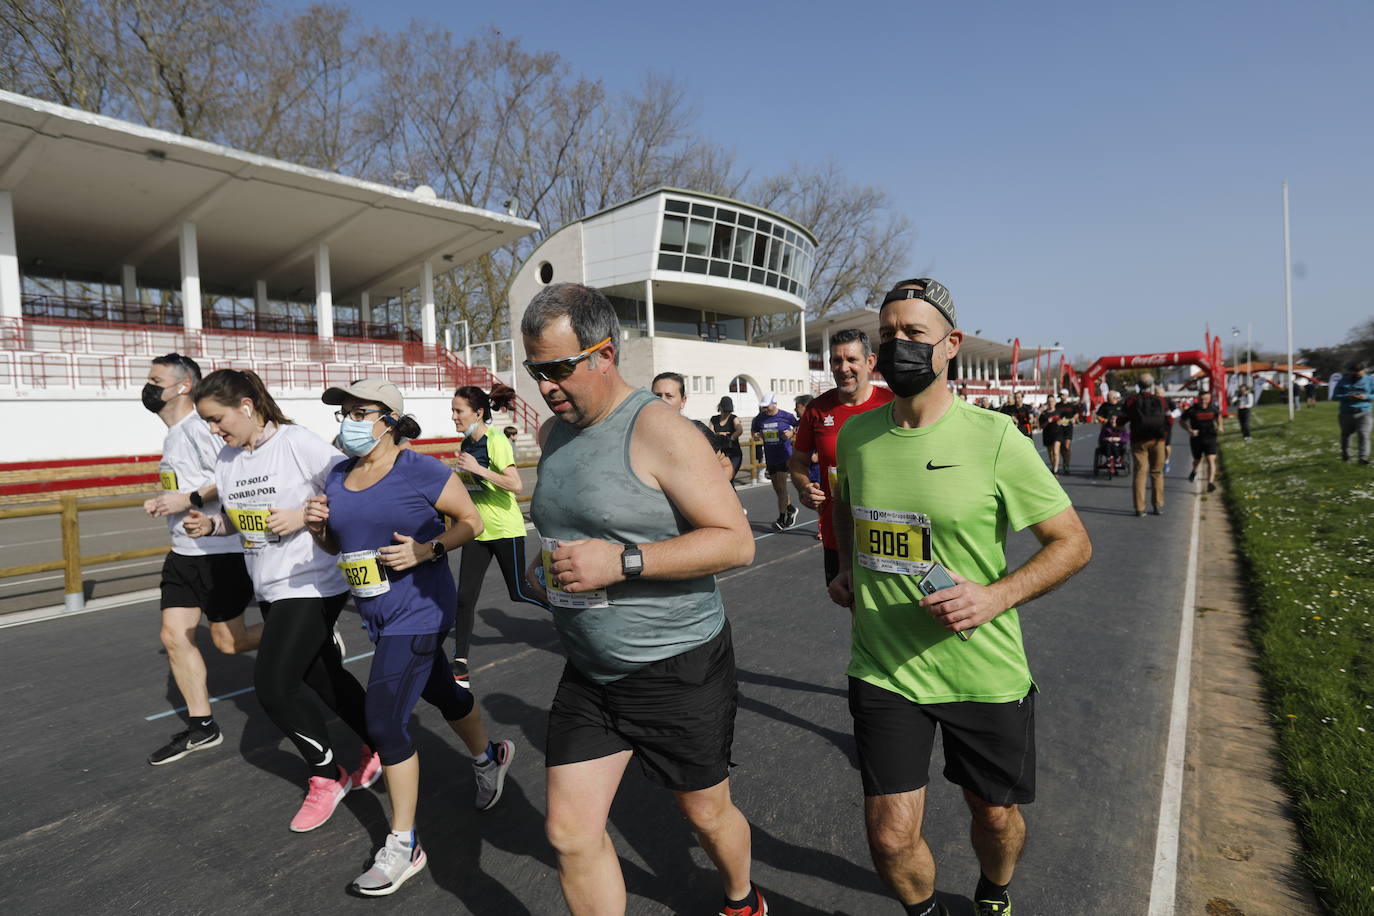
x=586, y=489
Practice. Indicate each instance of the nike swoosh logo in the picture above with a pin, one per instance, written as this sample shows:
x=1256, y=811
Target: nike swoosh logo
x=328, y=755
x=939, y=467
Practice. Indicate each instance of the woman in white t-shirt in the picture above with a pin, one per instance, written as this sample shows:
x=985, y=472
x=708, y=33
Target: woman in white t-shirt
x=266, y=471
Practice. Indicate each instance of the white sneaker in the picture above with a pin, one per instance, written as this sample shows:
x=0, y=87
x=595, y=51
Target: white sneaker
x=491, y=776
x=394, y=864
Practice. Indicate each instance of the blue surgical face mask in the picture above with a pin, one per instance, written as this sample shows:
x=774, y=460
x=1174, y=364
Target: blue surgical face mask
x=356, y=437
x=472, y=430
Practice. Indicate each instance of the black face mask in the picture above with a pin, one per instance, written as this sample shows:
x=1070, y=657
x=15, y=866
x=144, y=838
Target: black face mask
x=152, y=397
x=907, y=365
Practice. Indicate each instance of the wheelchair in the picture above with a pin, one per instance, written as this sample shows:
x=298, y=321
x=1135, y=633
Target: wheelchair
x=1113, y=455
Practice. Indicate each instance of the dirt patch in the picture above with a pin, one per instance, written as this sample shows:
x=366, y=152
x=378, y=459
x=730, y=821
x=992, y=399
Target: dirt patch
x=1238, y=847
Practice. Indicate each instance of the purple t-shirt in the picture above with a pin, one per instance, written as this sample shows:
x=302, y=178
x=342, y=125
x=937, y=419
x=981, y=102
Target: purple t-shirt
x=421, y=599
x=776, y=448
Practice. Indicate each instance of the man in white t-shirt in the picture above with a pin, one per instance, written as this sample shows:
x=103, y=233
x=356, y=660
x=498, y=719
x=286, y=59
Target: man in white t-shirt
x=200, y=576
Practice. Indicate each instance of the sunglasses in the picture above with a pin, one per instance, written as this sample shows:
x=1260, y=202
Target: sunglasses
x=556, y=370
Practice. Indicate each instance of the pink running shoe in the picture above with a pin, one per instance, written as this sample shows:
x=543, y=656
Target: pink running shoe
x=369, y=770
x=321, y=798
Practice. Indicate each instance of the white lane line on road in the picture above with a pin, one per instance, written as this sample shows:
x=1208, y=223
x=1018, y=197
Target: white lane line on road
x=793, y=528
x=1164, y=884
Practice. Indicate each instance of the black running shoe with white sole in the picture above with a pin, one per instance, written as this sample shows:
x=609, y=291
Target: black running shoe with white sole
x=184, y=743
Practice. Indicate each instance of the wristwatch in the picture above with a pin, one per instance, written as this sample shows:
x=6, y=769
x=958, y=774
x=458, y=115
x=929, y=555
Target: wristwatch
x=196, y=499
x=439, y=549
x=631, y=561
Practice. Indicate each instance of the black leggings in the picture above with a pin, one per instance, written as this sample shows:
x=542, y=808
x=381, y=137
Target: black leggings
x=472, y=568
x=404, y=669
x=298, y=648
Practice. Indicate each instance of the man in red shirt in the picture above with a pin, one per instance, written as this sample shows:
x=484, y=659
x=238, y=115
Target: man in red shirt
x=851, y=365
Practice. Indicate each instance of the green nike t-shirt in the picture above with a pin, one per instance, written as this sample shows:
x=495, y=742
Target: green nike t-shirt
x=943, y=494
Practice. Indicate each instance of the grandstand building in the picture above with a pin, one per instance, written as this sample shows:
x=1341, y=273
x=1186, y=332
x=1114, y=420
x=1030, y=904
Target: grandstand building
x=686, y=273
x=120, y=242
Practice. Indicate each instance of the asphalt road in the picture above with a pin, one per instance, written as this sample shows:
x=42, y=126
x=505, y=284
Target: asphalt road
x=89, y=827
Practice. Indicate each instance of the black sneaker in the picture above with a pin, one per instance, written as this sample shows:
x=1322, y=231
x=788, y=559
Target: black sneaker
x=1140, y=513
x=184, y=743
x=460, y=673
x=780, y=522
x=790, y=516
x=1158, y=510
x=993, y=907
x=1192, y=475
x=1211, y=488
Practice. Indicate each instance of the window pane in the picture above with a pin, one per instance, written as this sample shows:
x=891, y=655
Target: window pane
x=775, y=254
x=719, y=269
x=755, y=276
x=739, y=272
x=703, y=210
x=778, y=232
x=760, y=250
x=721, y=241
x=746, y=220
x=765, y=226
x=744, y=245
x=674, y=232
x=670, y=262
x=675, y=206
x=695, y=265
x=698, y=237
x=772, y=279
x=725, y=216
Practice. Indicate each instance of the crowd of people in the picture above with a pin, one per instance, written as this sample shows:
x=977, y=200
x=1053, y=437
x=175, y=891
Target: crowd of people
x=914, y=489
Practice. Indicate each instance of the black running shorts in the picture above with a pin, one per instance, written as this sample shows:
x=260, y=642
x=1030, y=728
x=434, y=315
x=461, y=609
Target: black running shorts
x=216, y=583
x=989, y=747
x=776, y=469
x=832, y=564
x=676, y=715
x=1202, y=445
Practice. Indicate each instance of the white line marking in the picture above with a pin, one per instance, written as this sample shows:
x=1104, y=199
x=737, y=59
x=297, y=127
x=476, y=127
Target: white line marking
x=1164, y=884
x=38, y=615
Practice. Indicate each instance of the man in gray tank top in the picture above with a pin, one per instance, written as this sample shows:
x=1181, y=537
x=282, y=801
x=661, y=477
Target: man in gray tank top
x=634, y=522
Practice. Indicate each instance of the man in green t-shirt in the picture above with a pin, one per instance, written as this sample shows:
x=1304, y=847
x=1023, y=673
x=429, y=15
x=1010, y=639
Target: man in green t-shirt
x=931, y=480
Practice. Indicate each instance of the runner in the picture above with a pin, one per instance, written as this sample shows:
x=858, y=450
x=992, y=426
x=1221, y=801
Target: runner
x=671, y=389
x=931, y=480
x=1021, y=414
x=635, y=525
x=1049, y=431
x=266, y=471
x=728, y=429
x=1066, y=414
x=1203, y=423
x=486, y=466
x=199, y=576
x=775, y=428
x=380, y=512
x=851, y=365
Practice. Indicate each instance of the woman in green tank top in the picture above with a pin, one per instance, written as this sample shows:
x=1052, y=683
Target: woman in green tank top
x=486, y=465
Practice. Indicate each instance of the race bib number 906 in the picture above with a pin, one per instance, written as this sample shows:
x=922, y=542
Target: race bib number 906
x=560, y=598
x=364, y=573
x=892, y=542
x=252, y=526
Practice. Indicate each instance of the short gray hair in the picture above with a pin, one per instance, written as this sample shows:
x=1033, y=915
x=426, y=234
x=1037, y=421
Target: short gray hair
x=850, y=335
x=589, y=312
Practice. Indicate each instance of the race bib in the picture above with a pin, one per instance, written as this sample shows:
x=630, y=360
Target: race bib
x=364, y=573
x=252, y=526
x=560, y=598
x=892, y=542
x=169, y=479
x=470, y=481
x=770, y=436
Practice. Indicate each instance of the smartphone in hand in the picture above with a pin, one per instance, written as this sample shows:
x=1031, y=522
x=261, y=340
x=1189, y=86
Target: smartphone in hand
x=937, y=578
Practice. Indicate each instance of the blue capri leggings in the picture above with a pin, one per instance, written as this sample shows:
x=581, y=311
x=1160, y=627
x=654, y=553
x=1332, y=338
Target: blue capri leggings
x=404, y=669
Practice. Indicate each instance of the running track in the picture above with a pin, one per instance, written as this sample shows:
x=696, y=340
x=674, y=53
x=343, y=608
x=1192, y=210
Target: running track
x=89, y=827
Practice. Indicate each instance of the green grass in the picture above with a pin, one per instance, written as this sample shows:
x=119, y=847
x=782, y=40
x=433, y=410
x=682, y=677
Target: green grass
x=1304, y=523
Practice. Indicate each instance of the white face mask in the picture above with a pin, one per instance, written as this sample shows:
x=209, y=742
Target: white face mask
x=472, y=430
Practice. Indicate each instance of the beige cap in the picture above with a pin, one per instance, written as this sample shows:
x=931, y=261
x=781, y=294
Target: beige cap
x=372, y=390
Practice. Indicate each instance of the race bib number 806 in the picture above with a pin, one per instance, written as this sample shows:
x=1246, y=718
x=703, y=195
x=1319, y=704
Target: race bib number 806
x=892, y=542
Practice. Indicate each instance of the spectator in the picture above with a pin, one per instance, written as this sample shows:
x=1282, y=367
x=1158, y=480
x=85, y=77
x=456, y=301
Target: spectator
x=1150, y=425
x=1355, y=391
x=1245, y=402
x=510, y=432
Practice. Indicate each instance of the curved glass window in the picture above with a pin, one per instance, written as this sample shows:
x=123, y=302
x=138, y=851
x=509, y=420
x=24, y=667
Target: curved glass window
x=705, y=239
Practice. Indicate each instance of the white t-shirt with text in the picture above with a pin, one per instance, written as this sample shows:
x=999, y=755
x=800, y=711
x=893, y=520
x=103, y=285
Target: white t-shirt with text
x=188, y=460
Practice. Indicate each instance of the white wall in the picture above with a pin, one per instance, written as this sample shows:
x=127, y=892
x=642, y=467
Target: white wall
x=642, y=358
x=101, y=424
x=620, y=246
x=562, y=250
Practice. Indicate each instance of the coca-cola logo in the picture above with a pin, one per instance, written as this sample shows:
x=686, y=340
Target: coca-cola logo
x=1156, y=359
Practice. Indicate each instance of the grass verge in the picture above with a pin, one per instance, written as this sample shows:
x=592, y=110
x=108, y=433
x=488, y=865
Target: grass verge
x=1304, y=522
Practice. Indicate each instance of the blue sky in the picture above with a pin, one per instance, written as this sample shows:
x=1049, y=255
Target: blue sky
x=1100, y=174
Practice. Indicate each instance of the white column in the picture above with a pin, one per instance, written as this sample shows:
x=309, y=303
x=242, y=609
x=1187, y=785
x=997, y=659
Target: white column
x=324, y=295
x=648, y=305
x=825, y=350
x=997, y=373
x=365, y=307
x=260, y=296
x=427, y=333
x=128, y=281
x=190, y=278
x=10, y=301
x=803, y=342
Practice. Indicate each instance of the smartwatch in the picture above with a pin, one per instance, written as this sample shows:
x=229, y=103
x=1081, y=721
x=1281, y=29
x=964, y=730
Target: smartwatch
x=437, y=546
x=196, y=499
x=631, y=561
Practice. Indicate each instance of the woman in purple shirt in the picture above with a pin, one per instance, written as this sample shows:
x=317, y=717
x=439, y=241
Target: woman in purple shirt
x=380, y=512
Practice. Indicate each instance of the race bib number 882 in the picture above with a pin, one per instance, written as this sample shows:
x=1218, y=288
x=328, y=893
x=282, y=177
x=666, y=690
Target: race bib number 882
x=892, y=542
